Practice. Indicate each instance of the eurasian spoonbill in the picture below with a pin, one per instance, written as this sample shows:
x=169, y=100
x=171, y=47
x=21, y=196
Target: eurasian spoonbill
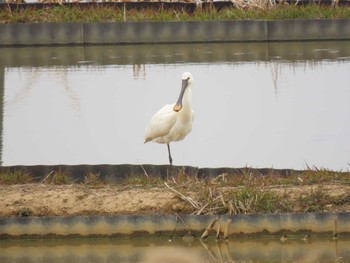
x=174, y=121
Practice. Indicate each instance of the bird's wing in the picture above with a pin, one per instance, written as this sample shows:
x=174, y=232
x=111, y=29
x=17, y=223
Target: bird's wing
x=161, y=123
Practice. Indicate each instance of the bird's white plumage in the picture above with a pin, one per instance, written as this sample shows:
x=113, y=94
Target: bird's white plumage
x=168, y=125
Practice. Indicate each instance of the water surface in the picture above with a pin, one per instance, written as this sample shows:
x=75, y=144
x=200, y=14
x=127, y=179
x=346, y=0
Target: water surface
x=177, y=251
x=281, y=105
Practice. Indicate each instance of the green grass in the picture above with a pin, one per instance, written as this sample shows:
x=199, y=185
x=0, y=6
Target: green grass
x=315, y=201
x=87, y=14
x=15, y=177
x=24, y=211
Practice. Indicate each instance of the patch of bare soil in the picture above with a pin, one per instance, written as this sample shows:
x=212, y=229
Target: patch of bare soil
x=64, y=200
x=75, y=199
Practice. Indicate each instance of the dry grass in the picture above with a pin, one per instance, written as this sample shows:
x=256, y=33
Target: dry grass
x=247, y=10
x=251, y=192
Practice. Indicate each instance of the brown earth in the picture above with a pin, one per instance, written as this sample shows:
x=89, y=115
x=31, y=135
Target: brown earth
x=64, y=200
x=75, y=199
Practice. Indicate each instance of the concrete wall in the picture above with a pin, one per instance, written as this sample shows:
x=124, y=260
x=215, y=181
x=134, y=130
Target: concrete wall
x=118, y=173
x=41, y=34
x=164, y=225
x=173, y=32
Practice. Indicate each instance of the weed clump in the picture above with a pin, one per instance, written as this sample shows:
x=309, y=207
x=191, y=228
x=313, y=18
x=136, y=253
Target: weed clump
x=24, y=211
x=59, y=177
x=15, y=177
x=92, y=179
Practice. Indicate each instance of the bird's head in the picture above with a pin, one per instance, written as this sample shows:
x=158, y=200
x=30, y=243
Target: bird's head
x=187, y=76
x=187, y=79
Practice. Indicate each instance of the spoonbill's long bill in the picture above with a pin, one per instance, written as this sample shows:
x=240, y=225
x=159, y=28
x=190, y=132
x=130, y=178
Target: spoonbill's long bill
x=174, y=121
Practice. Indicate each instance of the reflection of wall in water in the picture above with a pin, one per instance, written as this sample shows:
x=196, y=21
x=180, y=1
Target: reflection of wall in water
x=2, y=87
x=180, y=53
x=139, y=71
x=160, y=250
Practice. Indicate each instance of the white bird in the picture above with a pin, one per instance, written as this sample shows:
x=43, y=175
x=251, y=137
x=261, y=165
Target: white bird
x=174, y=121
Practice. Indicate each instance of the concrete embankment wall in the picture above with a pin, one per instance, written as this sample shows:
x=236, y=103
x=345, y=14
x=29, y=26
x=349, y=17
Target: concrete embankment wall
x=169, y=225
x=111, y=174
x=173, y=32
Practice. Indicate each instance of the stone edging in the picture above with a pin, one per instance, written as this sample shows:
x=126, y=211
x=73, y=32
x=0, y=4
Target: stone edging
x=173, y=32
x=162, y=225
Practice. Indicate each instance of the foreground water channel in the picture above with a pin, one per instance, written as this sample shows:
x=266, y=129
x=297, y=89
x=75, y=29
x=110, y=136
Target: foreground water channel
x=161, y=250
x=280, y=105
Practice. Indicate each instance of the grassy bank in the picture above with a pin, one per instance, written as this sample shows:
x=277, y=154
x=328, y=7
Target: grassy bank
x=110, y=13
x=249, y=192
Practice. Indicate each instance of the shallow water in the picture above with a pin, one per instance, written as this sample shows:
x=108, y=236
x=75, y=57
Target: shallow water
x=161, y=250
x=280, y=105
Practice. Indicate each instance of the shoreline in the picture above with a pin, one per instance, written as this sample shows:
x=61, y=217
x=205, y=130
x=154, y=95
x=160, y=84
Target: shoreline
x=316, y=224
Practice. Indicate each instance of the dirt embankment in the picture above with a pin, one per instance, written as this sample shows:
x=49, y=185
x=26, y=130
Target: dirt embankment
x=75, y=199
x=63, y=200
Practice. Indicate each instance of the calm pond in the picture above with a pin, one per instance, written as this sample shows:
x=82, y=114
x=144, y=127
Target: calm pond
x=177, y=251
x=277, y=105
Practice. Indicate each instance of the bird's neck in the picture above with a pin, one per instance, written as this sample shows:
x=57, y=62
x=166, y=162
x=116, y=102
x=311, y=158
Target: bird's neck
x=186, y=100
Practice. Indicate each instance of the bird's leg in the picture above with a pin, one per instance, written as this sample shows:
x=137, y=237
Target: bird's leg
x=170, y=159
